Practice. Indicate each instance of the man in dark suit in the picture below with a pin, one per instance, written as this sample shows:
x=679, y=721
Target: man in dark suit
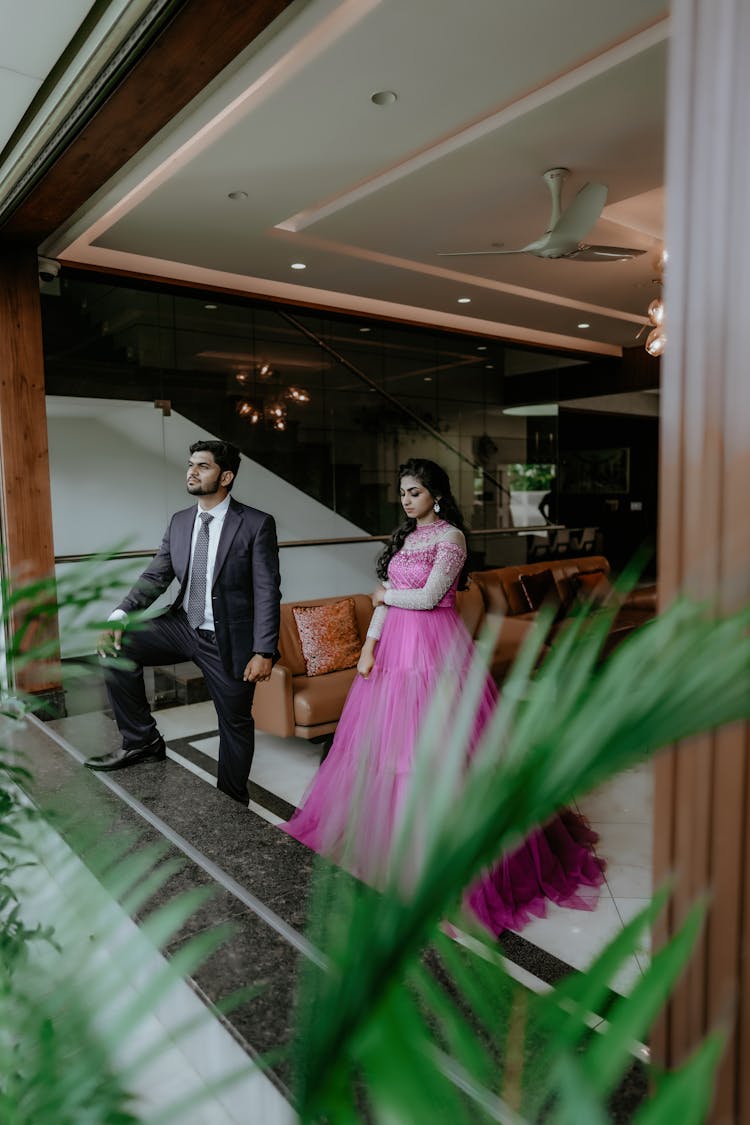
x=225, y=618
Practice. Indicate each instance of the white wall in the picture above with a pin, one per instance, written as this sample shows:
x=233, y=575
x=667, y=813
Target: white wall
x=118, y=472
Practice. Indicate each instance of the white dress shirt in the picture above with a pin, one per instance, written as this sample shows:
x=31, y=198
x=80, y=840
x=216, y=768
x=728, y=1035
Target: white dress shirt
x=214, y=531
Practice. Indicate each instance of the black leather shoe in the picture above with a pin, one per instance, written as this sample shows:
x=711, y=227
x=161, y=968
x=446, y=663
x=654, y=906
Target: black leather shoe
x=120, y=759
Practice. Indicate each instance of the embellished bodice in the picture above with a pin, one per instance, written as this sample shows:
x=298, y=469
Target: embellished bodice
x=424, y=573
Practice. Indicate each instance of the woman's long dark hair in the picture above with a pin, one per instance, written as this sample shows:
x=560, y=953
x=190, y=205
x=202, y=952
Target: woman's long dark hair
x=435, y=479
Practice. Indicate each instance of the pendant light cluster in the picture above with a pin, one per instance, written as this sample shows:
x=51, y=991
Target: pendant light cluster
x=270, y=409
x=656, y=341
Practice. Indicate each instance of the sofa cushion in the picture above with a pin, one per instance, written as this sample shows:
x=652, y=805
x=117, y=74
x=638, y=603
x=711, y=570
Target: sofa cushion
x=329, y=636
x=539, y=588
x=592, y=587
x=320, y=699
x=470, y=606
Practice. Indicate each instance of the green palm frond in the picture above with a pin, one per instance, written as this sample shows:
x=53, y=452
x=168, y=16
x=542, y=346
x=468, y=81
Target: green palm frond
x=374, y=1025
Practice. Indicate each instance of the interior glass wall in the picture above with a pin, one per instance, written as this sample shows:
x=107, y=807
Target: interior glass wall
x=330, y=404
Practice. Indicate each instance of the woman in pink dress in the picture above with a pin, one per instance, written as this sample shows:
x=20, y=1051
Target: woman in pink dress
x=351, y=810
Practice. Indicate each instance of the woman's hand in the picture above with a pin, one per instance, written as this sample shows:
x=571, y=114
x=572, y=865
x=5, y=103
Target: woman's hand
x=378, y=596
x=366, y=660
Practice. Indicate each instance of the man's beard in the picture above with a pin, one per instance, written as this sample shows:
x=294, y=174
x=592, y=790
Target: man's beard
x=201, y=490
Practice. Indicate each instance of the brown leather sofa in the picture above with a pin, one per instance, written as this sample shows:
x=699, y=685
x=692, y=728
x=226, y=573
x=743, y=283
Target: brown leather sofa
x=293, y=703
x=503, y=595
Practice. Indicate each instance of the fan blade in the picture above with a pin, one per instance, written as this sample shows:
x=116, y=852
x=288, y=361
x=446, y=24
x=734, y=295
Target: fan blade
x=604, y=253
x=476, y=253
x=579, y=216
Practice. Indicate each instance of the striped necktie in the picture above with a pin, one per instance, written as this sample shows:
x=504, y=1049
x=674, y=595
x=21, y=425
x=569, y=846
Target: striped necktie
x=196, y=603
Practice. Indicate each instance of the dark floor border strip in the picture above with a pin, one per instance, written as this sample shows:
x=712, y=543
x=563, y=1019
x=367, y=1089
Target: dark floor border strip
x=292, y=936
x=545, y=966
x=186, y=748
x=535, y=960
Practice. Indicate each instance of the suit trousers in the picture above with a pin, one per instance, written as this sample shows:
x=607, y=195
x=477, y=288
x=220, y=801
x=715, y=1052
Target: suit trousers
x=166, y=640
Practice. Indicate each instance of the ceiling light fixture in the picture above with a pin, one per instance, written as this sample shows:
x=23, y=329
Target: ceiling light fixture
x=299, y=266
x=464, y=300
x=584, y=324
x=656, y=341
x=365, y=330
x=384, y=97
x=237, y=195
x=534, y=410
x=481, y=347
x=297, y=394
x=210, y=306
x=248, y=412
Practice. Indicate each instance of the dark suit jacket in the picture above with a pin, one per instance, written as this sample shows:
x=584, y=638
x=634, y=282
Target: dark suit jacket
x=245, y=590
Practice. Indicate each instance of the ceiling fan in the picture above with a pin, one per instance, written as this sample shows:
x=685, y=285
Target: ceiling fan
x=567, y=229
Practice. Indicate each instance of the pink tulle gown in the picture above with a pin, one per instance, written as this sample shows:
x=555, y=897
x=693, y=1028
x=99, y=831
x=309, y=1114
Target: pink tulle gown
x=352, y=807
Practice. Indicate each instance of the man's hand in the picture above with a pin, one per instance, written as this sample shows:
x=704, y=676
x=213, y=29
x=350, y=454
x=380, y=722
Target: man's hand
x=258, y=669
x=110, y=642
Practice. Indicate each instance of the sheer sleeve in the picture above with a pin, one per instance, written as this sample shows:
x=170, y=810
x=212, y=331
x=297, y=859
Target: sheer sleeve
x=376, y=622
x=449, y=558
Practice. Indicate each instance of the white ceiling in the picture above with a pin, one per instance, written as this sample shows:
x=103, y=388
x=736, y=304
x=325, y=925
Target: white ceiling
x=489, y=96
x=33, y=36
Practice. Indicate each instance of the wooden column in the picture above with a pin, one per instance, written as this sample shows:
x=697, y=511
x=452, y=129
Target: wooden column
x=24, y=464
x=702, y=808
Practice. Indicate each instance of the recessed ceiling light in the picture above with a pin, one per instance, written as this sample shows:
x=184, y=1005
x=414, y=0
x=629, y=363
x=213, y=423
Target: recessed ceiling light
x=584, y=324
x=210, y=306
x=237, y=195
x=464, y=300
x=489, y=367
x=428, y=378
x=299, y=266
x=365, y=329
x=481, y=347
x=384, y=97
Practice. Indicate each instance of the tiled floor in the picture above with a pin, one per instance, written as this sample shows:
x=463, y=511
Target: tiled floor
x=282, y=770
x=620, y=811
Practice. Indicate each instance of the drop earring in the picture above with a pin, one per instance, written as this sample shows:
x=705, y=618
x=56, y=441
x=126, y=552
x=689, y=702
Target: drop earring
x=436, y=507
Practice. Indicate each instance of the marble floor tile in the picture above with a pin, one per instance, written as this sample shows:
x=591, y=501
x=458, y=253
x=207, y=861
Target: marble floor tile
x=194, y=718
x=578, y=936
x=284, y=766
x=627, y=908
x=626, y=798
x=627, y=848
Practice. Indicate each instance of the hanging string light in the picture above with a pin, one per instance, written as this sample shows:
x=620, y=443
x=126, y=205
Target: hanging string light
x=297, y=394
x=248, y=412
x=275, y=412
x=268, y=406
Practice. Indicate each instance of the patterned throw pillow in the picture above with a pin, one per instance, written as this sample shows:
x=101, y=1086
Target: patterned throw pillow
x=539, y=587
x=329, y=636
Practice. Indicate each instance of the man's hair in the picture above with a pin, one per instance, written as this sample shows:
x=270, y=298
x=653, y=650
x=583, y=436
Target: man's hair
x=226, y=456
